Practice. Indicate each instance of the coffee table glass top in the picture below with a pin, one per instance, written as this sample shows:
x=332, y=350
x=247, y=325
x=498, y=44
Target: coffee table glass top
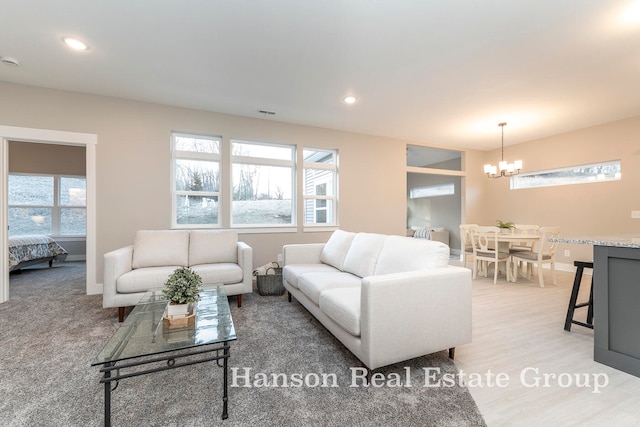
x=143, y=333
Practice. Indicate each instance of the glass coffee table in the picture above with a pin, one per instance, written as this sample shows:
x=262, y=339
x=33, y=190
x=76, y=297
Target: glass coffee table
x=142, y=345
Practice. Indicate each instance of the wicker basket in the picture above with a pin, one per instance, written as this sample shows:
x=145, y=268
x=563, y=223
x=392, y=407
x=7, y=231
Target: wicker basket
x=270, y=284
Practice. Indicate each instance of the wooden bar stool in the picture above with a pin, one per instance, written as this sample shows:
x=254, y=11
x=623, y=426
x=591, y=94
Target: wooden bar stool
x=573, y=304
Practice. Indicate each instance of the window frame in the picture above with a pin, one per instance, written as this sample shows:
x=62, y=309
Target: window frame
x=225, y=194
x=264, y=161
x=194, y=156
x=513, y=181
x=56, y=208
x=331, y=198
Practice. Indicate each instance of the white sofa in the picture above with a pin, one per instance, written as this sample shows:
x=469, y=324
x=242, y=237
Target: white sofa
x=216, y=255
x=386, y=298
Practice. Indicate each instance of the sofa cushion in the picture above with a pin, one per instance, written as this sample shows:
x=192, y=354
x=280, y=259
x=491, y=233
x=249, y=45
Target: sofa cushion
x=225, y=272
x=343, y=307
x=314, y=284
x=213, y=246
x=336, y=248
x=292, y=272
x=143, y=279
x=159, y=248
x=363, y=254
x=401, y=254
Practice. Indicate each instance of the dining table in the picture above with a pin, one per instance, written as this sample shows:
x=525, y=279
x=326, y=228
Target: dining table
x=505, y=240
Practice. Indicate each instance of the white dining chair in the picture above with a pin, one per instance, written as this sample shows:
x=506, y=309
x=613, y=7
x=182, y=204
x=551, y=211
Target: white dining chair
x=527, y=229
x=486, y=250
x=543, y=253
x=466, y=243
x=524, y=245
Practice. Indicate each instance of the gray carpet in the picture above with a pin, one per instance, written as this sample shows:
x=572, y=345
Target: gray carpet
x=50, y=332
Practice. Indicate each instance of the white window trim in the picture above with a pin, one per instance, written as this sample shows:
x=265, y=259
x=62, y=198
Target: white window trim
x=265, y=161
x=333, y=167
x=57, y=206
x=193, y=155
x=513, y=179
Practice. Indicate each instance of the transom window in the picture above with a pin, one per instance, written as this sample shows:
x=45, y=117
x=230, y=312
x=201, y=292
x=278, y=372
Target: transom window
x=53, y=205
x=582, y=174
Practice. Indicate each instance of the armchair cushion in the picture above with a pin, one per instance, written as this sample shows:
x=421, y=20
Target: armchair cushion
x=219, y=273
x=213, y=246
x=143, y=279
x=157, y=248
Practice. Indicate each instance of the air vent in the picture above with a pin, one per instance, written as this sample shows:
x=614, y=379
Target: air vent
x=7, y=60
x=267, y=113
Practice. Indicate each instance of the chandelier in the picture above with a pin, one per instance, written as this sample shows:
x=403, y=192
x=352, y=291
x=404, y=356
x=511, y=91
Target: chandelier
x=503, y=168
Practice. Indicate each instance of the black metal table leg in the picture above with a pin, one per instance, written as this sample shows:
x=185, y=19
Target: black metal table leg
x=107, y=396
x=225, y=375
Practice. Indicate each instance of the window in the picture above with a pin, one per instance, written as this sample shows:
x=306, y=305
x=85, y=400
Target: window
x=196, y=180
x=320, y=186
x=47, y=204
x=251, y=184
x=583, y=174
x=262, y=184
x=447, y=189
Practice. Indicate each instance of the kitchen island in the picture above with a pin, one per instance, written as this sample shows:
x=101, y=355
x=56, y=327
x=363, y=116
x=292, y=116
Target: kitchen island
x=616, y=300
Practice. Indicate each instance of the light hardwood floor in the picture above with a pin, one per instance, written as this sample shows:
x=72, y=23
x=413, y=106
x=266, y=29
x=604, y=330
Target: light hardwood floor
x=518, y=329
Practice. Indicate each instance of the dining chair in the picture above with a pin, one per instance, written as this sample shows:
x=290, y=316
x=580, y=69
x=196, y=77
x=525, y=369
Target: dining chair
x=466, y=243
x=543, y=253
x=486, y=251
x=524, y=245
x=528, y=229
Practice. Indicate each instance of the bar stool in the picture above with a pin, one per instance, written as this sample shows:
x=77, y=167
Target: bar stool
x=574, y=297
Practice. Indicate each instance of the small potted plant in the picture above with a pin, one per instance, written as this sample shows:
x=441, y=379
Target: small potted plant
x=182, y=290
x=505, y=227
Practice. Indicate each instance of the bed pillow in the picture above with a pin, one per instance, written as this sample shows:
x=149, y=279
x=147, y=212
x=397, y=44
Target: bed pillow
x=158, y=248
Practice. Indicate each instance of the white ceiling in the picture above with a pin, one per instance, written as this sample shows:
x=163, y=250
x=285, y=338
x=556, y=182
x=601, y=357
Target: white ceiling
x=441, y=72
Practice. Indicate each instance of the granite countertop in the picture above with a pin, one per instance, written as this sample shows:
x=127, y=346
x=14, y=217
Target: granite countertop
x=625, y=241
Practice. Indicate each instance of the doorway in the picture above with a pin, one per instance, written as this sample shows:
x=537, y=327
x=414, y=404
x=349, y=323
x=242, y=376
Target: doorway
x=434, y=191
x=41, y=136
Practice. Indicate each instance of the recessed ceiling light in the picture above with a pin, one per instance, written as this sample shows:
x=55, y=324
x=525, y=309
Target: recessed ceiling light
x=75, y=43
x=349, y=99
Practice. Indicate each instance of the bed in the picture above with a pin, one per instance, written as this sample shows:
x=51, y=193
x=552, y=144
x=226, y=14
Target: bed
x=36, y=249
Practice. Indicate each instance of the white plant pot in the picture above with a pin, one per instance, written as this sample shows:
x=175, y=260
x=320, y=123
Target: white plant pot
x=177, y=310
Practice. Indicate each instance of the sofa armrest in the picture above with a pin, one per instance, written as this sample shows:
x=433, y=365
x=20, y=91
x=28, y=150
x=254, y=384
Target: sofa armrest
x=406, y=315
x=302, y=253
x=116, y=263
x=245, y=261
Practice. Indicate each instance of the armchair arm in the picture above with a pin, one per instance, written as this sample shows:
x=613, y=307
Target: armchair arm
x=406, y=315
x=116, y=263
x=302, y=253
x=245, y=261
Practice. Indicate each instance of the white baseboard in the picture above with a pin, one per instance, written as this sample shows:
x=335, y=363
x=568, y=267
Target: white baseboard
x=95, y=289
